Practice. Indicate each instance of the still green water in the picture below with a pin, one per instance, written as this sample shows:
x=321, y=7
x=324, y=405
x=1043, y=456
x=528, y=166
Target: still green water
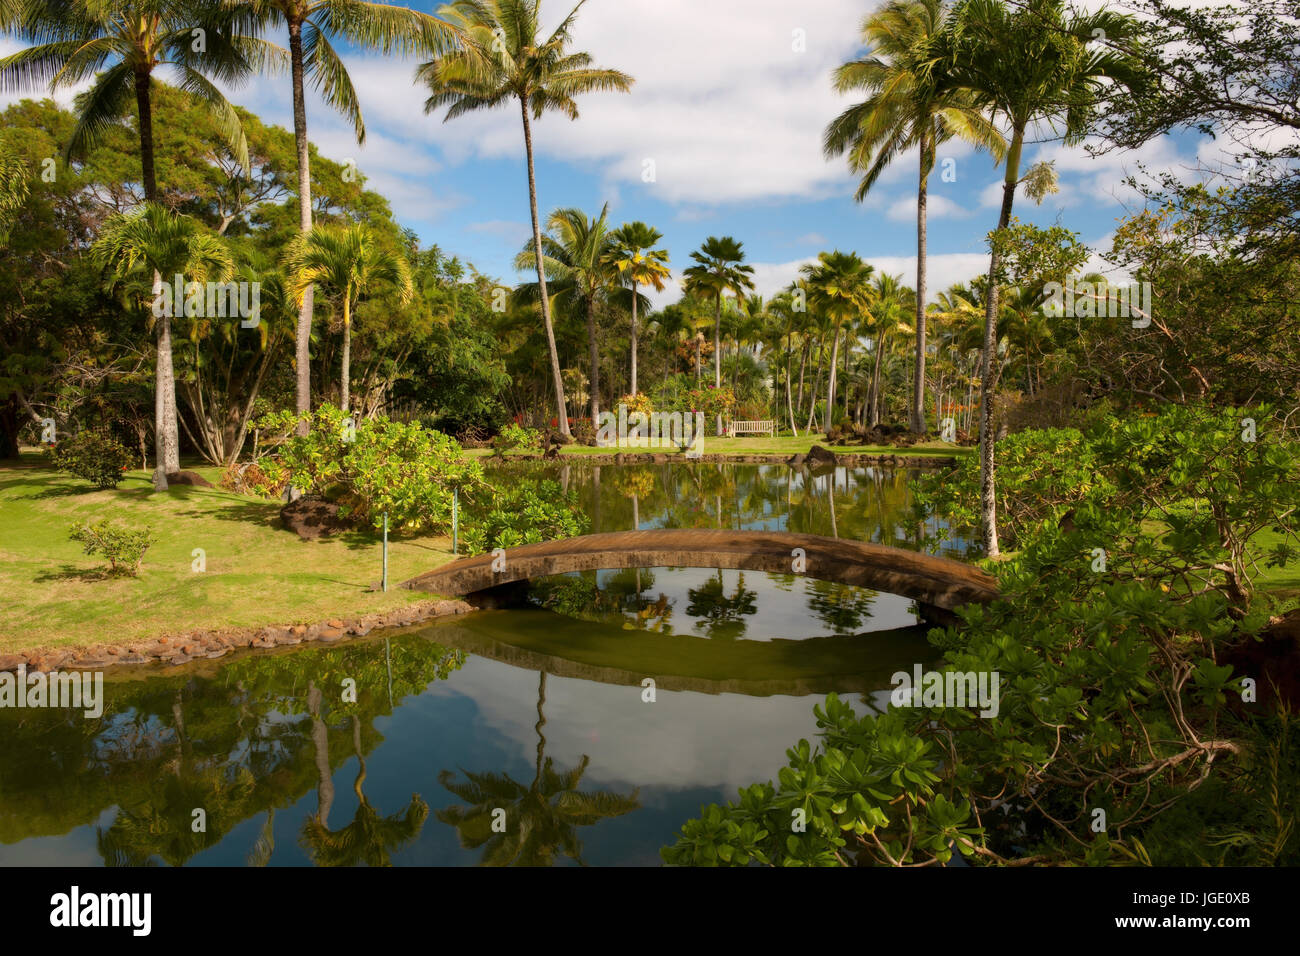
x=534, y=718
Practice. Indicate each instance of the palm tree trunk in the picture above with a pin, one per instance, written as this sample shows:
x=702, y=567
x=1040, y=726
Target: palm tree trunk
x=717, y=353
x=803, y=364
x=347, y=357
x=830, y=384
x=817, y=381
x=302, y=336
x=789, y=392
x=633, y=382
x=918, y=373
x=562, y=413
x=988, y=492
x=166, y=438
x=593, y=350
x=875, y=380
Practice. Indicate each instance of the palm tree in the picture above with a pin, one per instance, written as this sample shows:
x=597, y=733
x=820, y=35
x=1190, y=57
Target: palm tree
x=14, y=188
x=138, y=250
x=889, y=303
x=839, y=287
x=783, y=308
x=1028, y=64
x=719, y=269
x=121, y=43
x=501, y=58
x=632, y=252
x=577, y=263
x=906, y=108
x=351, y=262
x=313, y=59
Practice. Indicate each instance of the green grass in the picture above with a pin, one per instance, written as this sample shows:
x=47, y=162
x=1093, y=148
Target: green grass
x=1283, y=583
x=784, y=445
x=257, y=573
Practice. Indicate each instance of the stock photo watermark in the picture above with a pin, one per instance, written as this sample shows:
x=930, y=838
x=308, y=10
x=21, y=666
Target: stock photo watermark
x=82, y=690
x=210, y=300
x=923, y=688
x=679, y=431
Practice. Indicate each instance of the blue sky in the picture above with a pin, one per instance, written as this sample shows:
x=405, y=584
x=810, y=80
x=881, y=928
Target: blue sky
x=730, y=103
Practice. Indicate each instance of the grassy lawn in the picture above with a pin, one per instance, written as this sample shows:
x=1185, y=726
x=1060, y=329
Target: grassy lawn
x=784, y=445
x=257, y=574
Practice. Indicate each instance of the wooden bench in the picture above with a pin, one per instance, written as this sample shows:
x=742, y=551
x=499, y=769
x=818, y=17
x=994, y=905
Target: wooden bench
x=736, y=429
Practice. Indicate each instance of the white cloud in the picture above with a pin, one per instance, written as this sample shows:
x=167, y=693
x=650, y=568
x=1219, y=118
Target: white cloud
x=722, y=104
x=937, y=206
x=514, y=233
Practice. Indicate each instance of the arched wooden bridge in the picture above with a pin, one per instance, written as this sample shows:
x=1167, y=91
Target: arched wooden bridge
x=932, y=582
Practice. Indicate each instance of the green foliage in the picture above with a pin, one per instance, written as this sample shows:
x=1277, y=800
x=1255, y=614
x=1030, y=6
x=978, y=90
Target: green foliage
x=94, y=456
x=123, y=548
x=711, y=401
x=872, y=781
x=1110, y=697
x=516, y=438
x=514, y=510
x=372, y=466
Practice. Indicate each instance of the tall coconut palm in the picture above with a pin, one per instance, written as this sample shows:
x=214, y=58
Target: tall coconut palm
x=719, y=269
x=907, y=107
x=639, y=263
x=350, y=261
x=500, y=58
x=121, y=44
x=890, y=301
x=579, y=271
x=784, y=308
x=1034, y=63
x=839, y=287
x=137, y=250
x=313, y=60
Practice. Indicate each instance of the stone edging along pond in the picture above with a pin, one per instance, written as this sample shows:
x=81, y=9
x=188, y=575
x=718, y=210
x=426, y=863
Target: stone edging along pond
x=217, y=642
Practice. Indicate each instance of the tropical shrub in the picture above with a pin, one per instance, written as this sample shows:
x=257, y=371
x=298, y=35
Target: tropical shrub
x=516, y=438
x=710, y=400
x=516, y=511
x=371, y=467
x=639, y=402
x=1113, y=717
x=123, y=548
x=93, y=456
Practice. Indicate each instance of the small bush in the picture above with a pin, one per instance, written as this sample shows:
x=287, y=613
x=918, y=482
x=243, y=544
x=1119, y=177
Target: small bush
x=123, y=548
x=94, y=456
x=520, y=511
x=516, y=438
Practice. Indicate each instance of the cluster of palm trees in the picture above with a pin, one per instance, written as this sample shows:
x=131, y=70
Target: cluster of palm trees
x=987, y=72
x=480, y=55
x=983, y=71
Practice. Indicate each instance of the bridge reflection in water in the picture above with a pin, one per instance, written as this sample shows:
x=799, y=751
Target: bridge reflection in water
x=938, y=585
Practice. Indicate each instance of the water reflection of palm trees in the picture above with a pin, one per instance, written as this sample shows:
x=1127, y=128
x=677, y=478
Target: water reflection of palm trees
x=541, y=819
x=369, y=839
x=721, y=616
x=843, y=610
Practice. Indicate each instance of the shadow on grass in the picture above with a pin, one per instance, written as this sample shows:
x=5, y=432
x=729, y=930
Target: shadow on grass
x=69, y=572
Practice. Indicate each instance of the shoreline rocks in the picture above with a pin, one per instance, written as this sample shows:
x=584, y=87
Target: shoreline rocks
x=212, y=644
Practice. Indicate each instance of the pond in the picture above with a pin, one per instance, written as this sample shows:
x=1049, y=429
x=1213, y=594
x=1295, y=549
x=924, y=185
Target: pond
x=521, y=736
